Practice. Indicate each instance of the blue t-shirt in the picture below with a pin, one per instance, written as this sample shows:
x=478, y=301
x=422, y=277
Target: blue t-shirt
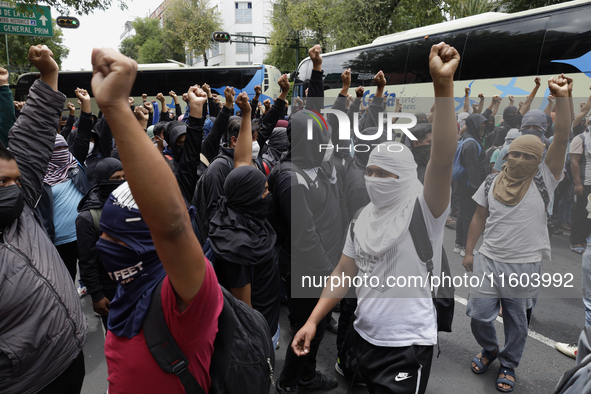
x=65, y=210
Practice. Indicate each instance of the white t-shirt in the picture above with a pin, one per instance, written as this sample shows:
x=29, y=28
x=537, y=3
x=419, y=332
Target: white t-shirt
x=577, y=146
x=519, y=233
x=385, y=315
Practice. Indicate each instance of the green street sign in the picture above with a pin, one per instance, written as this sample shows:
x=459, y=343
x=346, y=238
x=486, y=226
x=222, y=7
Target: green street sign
x=30, y=21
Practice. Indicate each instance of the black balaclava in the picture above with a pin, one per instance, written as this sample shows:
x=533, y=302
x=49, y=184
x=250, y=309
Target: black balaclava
x=513, y=120
x=103, y=171
x=473, y=127
x=307, y=153
x=277, y=145
x=175, y=133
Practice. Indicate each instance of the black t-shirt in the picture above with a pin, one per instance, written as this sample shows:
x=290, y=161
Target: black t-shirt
x=265, y=286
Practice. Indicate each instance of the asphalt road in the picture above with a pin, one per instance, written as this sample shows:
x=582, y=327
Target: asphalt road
x=554, y=319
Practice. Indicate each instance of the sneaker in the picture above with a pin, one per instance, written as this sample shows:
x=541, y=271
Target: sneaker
x=457, y=248
x=285, y=390
x=333, y=326
x=82, y=291
x=358, y=379
x=567, y=349
x=463, y=252
x=320, y=382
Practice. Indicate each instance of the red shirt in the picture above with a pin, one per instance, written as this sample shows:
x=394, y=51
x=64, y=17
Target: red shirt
x=132, y=369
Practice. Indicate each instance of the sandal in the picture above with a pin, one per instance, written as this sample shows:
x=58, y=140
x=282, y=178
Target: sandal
x=578, y=249
x=507, y=372
x=565, y=226
x=478, y=361
x=557, y=231
x=449, y=221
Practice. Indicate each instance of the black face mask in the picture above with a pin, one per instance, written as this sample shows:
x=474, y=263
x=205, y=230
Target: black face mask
x=514, y=120
x=107, y=187
x=12, y=202
x=423, y=152
x=578, y=129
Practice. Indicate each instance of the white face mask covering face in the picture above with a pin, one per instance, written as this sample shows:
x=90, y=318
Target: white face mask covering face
x=381, y=191
x=90, y=148
x=256, y=148
x=328, y=153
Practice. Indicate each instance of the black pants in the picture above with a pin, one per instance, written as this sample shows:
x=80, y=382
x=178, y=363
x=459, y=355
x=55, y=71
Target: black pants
x=580, y=225
x=399, y=370
x=348, y=306
x=467, y=208
x=69, y=254
x=304, y=367
x=70, y=381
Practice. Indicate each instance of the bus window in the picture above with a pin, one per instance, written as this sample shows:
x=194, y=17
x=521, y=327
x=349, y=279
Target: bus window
x=508, y=50
x=305, y=71
x=568, y=37
x=391, y=59
x=336, y=64
x=417, y=66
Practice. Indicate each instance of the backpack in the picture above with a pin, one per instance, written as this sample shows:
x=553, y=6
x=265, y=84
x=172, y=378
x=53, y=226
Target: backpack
x=96, y=217
x=444, y=300
x=243, y=356
x=200, y=203
x=459, y=170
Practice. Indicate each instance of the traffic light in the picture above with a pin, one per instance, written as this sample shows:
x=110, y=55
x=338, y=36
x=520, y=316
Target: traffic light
x=68, y=22
x=221, y=36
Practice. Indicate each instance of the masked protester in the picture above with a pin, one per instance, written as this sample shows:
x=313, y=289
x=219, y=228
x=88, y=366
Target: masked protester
x=511, y=120
x=243, y=240
x=421, y=148
x=512, y=214
x=394, y=346
x=100, y=286
x=473, y=158
x=41, y=319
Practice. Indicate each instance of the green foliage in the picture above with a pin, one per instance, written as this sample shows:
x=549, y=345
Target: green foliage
x=463, y=8
x=523, y=5
x=192, y=22
x=151, y=44
x=80, y=7
x=342, y=24
x=18, y=50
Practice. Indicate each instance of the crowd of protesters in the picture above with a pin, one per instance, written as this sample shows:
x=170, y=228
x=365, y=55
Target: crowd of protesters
x=146, y=199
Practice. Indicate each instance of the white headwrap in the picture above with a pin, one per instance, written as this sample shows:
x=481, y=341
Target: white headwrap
x=511, y=135
x=462, y=118
x=386, y=219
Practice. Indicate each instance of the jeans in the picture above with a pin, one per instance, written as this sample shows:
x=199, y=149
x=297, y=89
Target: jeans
x=467, y=208
x=580, y=226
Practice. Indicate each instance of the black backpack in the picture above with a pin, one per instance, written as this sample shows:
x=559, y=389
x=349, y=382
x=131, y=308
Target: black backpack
x=199, y=202
x=243, y=356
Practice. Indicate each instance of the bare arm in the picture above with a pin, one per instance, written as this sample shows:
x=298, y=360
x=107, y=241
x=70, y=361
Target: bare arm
x=330, y=297
x=151, y=181
x=583, y=112
x=562, y=125
x=443, y=61
x=480, y=104
x=531, y=96
x=474, y=233
x=467, y=99
x=243, y=150
x=575, y=169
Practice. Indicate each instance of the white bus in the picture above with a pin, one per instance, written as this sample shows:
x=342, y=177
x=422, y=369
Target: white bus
x=501, y=54
x=157, y=78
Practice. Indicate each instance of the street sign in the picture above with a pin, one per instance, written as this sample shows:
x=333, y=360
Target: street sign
x=30, y=21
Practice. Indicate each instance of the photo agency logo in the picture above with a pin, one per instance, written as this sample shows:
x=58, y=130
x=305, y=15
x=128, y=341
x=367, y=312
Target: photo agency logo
x=362, y=142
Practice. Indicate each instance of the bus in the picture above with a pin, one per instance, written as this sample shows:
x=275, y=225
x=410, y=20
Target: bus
x=157, y=78
x=501, y=54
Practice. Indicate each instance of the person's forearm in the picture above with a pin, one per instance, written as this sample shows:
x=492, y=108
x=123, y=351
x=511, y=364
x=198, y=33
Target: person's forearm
x=480, y=106
x=583, y=112
x=575, y=169
x=529, y=100
x=474, y=232
x=467, y=102
x=562, y=121
x=495, y=109
x=548, y=109
x=243, y=150
x=242, y=294
x=444, y=136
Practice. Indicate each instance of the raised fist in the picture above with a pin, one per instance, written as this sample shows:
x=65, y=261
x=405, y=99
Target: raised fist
x=41, y=57
x=229, y=93
x=380, y=79
x=242, y=103
x=283, y=83
x=258, y=90
x=160, y=97
x=538, y=81
x=359, y=91
x=196, y=96
x=346, y=77
x=113, y=77
x=3, y=76
x=315, y=56
x=559, y=86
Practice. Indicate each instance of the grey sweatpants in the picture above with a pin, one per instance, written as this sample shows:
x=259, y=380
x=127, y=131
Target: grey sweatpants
x=483, y=308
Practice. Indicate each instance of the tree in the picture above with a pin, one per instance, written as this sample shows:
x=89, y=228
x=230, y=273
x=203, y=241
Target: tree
x=18, y=49
x=66, y=7
x=342, y=23
x=192, y=22
x=463, y=8
x=523, y=5
x=151, y=44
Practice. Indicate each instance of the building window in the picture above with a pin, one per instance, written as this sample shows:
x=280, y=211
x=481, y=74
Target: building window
x=242, y=47
x=243, y=12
